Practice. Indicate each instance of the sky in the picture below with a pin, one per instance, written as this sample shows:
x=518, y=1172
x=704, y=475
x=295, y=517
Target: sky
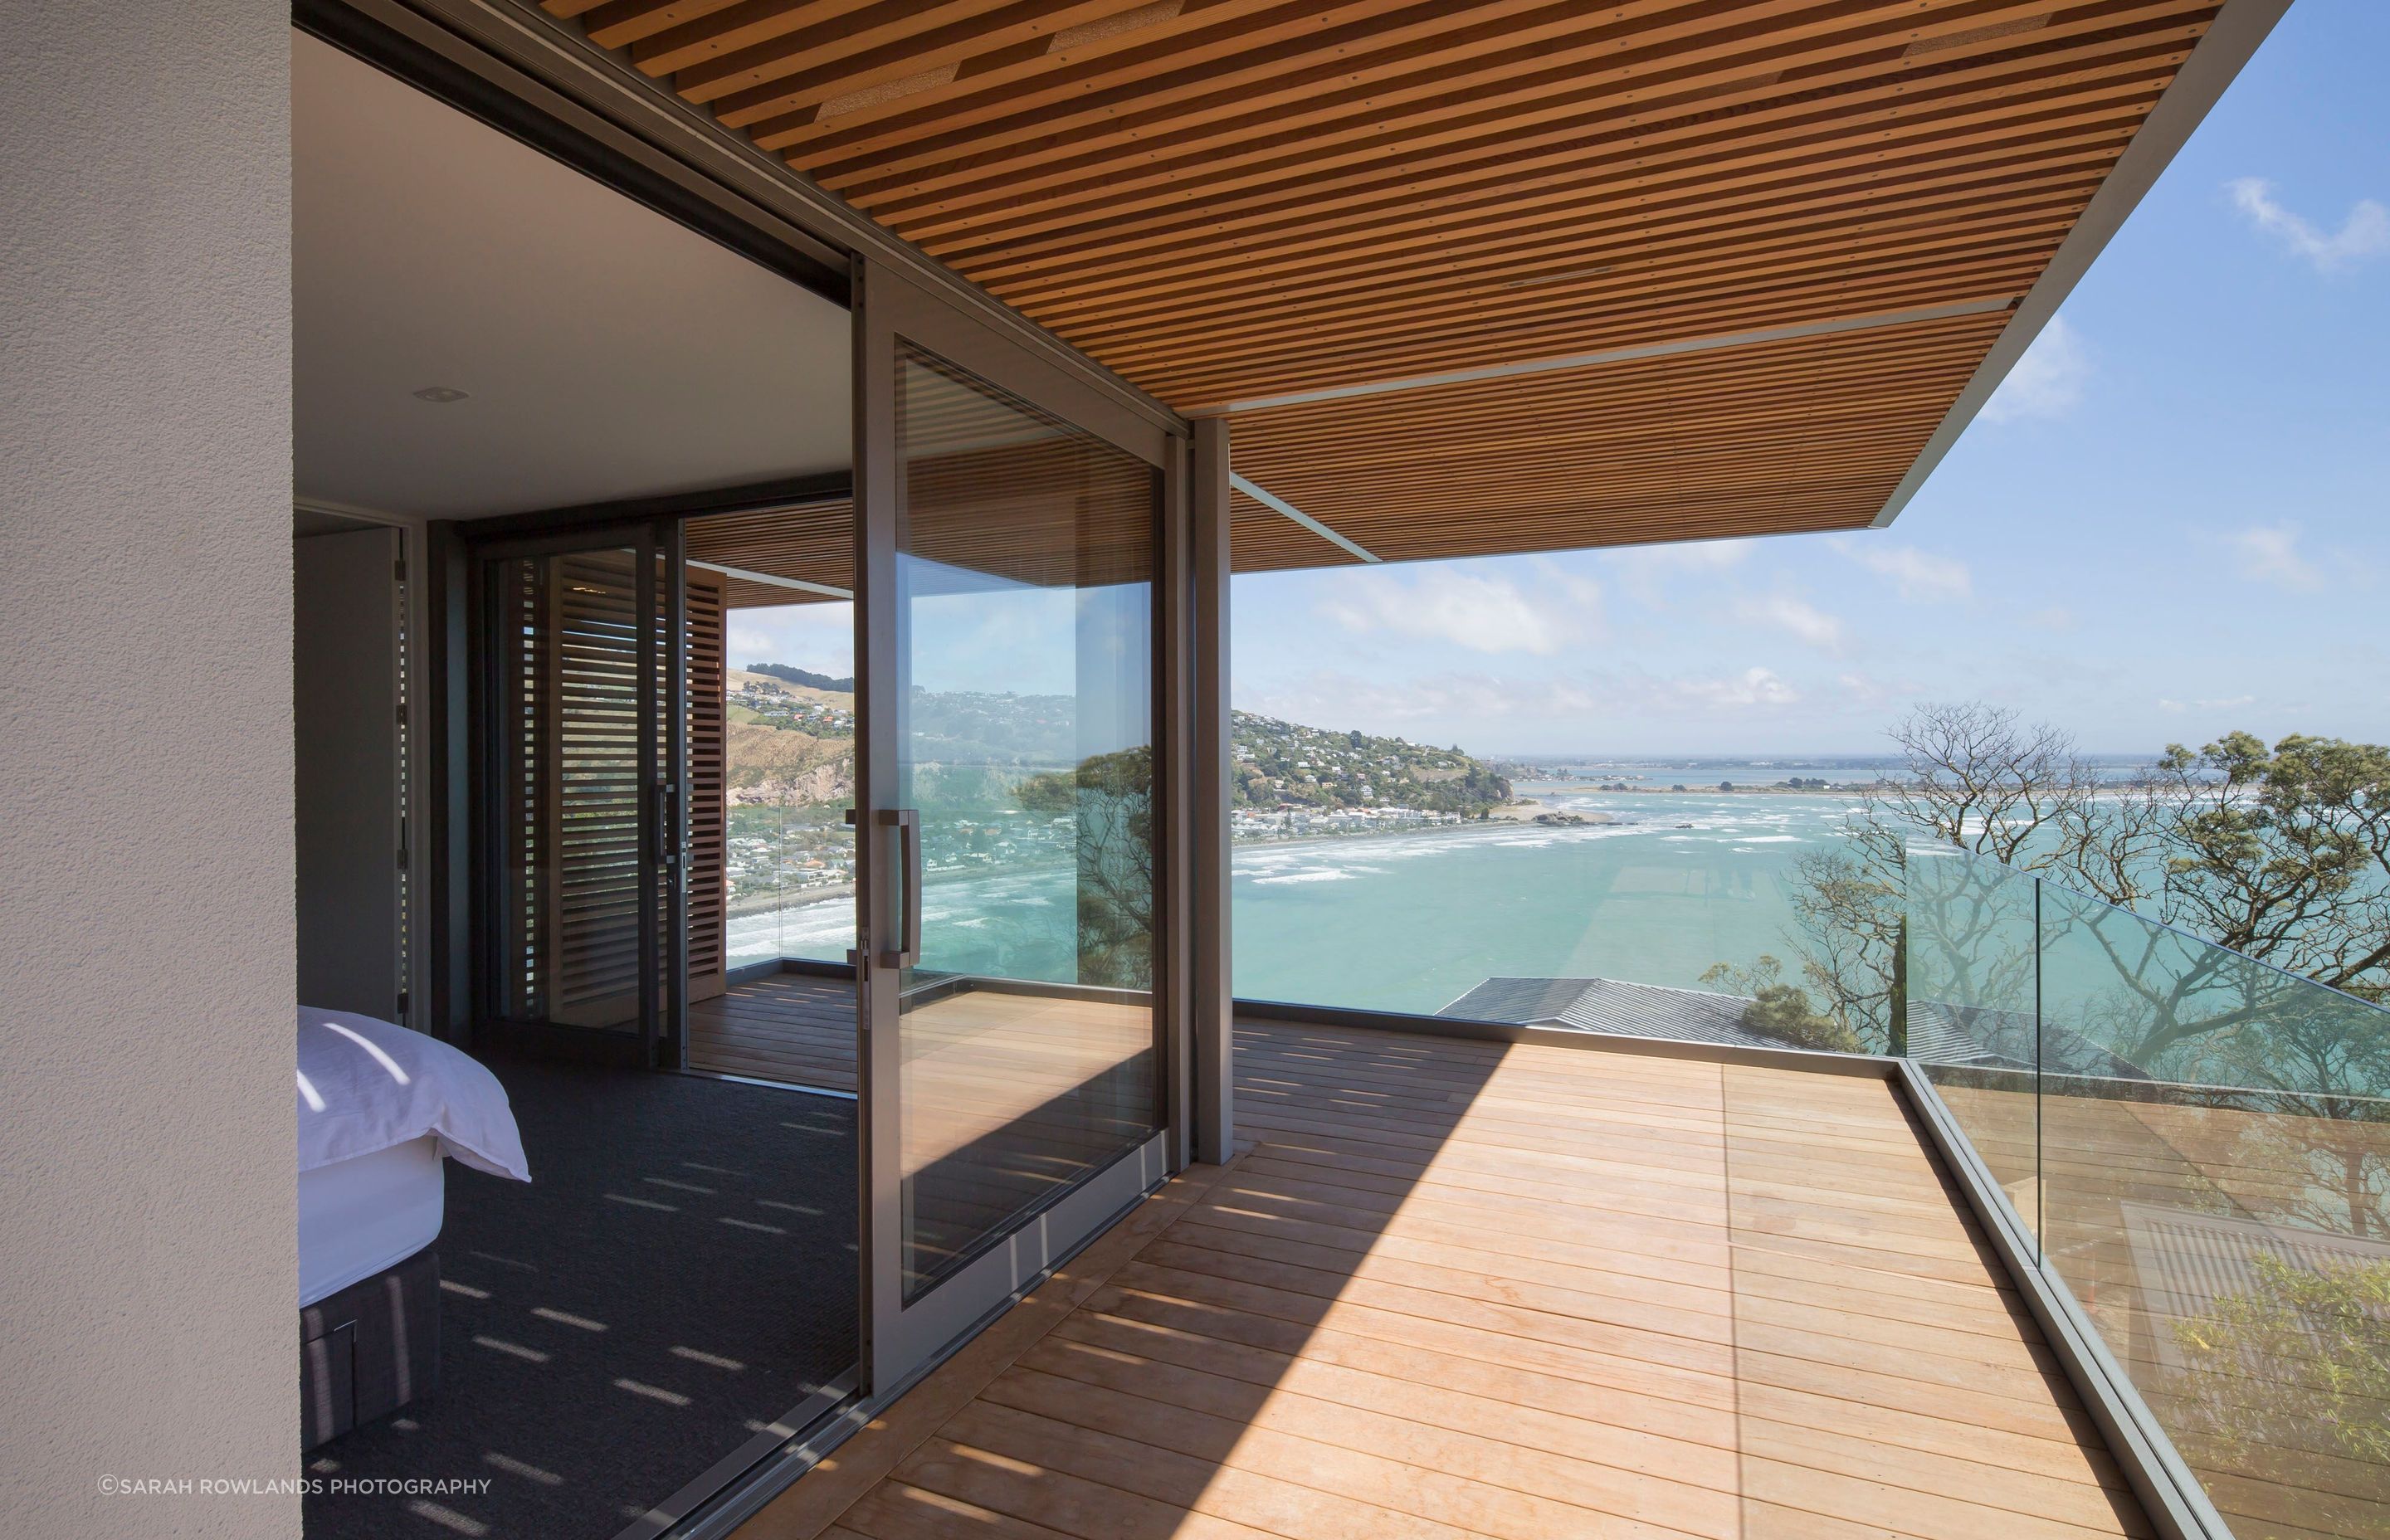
x=2173, y=520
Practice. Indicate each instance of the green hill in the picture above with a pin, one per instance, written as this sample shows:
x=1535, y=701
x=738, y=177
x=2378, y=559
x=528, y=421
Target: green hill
x=807, y=677
x=1274, y=762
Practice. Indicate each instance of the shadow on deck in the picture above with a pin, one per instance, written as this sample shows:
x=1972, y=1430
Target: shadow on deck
x=1458, y=1287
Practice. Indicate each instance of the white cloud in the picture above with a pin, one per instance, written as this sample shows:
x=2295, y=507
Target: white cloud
x=1795, y=617
x=1464, y=706
x=1480, y=611
x=2270, y=554
x=2223, y=703
x=818, y=636
x=1921, y=576
x=2365, y=233
x=1754, y=687
x=2048, y=381
x=1642, y=570
x=1865, y=690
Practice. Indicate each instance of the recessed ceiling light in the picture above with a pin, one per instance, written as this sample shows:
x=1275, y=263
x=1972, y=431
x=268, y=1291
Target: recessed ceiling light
x=442, y=394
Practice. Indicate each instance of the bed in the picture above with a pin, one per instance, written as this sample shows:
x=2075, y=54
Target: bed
x=380, y=1111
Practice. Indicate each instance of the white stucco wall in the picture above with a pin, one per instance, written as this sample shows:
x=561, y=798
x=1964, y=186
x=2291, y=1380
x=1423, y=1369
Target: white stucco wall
x=147, y=1326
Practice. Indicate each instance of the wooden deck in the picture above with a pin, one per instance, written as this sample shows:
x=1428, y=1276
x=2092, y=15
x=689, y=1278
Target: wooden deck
x=793, y=1028
x=1006, y=1098
x=1456, y=1288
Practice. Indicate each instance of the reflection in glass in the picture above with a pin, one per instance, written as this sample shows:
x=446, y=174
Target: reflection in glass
x=2219, y=1201
x=789, y=751
x=1025, y=567
x=1971, y=1006
x=2212, y=1140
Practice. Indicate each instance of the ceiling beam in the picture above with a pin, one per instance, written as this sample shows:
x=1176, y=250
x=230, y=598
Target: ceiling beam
x=1617, y=355
x=774, y=580
x=1275, y=504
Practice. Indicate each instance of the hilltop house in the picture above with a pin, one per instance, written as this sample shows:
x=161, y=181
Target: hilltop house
x=411, y=399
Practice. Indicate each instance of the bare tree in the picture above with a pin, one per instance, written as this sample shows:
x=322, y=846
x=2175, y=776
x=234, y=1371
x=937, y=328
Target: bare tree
x=2267, y=856
x=1972, y=779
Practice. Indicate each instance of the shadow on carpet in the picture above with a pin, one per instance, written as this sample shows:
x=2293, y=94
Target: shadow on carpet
x=680, y=1272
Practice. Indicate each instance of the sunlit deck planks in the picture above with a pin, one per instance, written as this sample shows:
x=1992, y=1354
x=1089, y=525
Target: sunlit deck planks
x=1455, y=1287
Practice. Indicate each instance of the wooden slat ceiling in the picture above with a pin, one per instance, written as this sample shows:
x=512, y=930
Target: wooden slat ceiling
x=809, y=542
x=1229, y=201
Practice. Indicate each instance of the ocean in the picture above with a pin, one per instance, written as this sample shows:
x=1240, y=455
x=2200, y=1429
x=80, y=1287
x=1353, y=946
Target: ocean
x=1409, y=922
x=1675, y=884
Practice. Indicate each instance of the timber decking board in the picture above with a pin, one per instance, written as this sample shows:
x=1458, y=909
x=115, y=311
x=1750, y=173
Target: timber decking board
x=1459, y=1288
x=1230, y=200
x=789, y=1027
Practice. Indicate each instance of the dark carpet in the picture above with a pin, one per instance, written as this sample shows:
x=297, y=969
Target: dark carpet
x=680, y=1270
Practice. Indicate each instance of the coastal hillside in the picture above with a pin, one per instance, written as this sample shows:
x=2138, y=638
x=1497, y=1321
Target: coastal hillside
x=767, y=763
x=788, y=740
x=791, y=736
x=1278, y=763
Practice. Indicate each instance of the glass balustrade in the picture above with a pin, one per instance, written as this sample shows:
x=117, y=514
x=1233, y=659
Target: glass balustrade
x=2200, y=1144
x=1967, y=1008
x=792, y=873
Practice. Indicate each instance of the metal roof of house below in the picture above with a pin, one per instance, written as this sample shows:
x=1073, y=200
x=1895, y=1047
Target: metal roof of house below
x=1613, y=1007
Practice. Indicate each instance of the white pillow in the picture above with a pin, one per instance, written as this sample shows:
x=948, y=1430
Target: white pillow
x=365, y=1085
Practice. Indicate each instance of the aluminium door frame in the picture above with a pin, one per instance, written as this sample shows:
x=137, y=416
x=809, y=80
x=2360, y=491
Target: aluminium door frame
x=900, y=1338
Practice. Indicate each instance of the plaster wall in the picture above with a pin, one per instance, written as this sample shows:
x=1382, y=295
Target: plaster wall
x=147, y=1263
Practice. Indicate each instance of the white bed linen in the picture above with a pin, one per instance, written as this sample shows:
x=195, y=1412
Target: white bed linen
x=366, y=1084
x=361, y=1215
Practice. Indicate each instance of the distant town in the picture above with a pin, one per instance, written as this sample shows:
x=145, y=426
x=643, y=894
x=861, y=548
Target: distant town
x=791, y=778
x=1774, y=788
x=1288, y=769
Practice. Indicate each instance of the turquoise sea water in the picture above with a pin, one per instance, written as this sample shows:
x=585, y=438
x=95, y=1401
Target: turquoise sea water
x=1410, y=923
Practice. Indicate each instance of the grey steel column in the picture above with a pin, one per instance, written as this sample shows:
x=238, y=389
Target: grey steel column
x=1213, y=1007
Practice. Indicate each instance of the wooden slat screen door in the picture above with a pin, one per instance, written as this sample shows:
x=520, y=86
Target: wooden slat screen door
x=584, y=678
x=708, y=898
x=606, y=864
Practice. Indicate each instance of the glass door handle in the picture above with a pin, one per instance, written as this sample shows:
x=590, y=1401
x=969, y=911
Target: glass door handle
x=906, y=822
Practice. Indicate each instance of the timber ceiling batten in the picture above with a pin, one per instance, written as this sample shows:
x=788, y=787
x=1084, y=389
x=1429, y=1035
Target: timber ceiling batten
x=811, y=543
x=1390, y=235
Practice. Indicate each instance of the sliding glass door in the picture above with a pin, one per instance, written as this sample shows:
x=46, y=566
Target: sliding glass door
x=1012, y=814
